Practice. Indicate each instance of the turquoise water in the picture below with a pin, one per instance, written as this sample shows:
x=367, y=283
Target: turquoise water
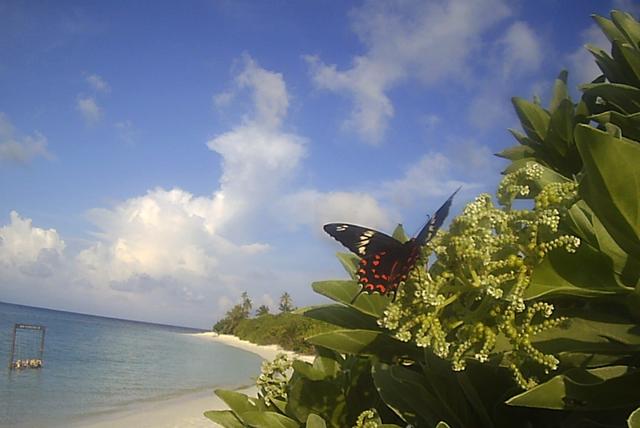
x=94, y=365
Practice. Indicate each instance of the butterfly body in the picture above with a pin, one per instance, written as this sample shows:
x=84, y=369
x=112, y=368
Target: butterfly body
x=385, y=262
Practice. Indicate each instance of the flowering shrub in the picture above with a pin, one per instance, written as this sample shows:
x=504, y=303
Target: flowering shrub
x=273, y=379
x=473, y=293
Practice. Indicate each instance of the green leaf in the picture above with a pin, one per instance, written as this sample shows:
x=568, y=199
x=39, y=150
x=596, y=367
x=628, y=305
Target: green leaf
x=534, y=119
x=585, y=273
x=344, y=291
x=560, y=91
x=365, y=342
x=442, y=424
x=239, y=403
x=611, y=184
x=350, y=263
x=627, y=26
x=225, y=418
x=623, y=98
x=313, y=372
x=279, y=404
x=608, y=28
x=634, y=419
x=409, y=395
x=610, y=68
x=323, y=397
x=517, y=152
x=315, y=421
x=342, y=316
x=587, y=226
x=630, y=124
x=519, y=163
x=578, y=389
x=269, y=419
x=560, y=135
x=399, y=234
x=588, y=329
x=632, y=57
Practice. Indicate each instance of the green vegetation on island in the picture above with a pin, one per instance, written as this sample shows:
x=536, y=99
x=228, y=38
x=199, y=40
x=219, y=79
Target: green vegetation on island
x=525, y=317
x=287, y=329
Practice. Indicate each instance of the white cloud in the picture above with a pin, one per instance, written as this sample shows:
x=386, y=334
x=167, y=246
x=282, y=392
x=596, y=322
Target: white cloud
x=89, y=109
x=223, y=99
x=20, y=149
x=171, y=243
x=517, y=54
x=28, y=250
x=582, y=65
x=429, y=41
x=428, y=177
x=522, y=50
x=161, y=234
x=313, y=208
x=269, y=91
x=257, y=155
x=489, y=107
x=98, y=83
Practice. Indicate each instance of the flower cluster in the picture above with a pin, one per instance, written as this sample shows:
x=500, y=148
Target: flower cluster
x=368, y=419
x=471, y=301
x=273, y=379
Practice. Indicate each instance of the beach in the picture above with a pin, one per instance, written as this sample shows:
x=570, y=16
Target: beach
x=187, y=410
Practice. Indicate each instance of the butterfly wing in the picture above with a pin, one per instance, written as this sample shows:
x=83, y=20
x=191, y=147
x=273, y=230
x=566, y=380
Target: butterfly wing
x=385, y=262
x=435, y=222
x=360, y=240
x=379, y=254
x=382, y=272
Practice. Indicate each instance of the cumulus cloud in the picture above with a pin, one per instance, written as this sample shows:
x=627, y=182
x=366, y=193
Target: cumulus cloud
x=174, y=244
x=313, y=208
x=97, y=83
x=15, y=148
x=428, y=177
x=257, y=155
x=159, y=234
x=88, y=107
x=522, y=50
x=223, y=99
x=428, y=41
x=28, y=250
x=517, y=53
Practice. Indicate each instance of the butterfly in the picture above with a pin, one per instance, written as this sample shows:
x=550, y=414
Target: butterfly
x=385, y=262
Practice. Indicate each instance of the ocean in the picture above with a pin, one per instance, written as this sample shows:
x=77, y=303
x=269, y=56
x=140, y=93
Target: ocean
x=95, y=365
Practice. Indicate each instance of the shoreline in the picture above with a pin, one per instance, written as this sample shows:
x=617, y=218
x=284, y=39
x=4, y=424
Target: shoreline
x=267, y=352
x=186, y=410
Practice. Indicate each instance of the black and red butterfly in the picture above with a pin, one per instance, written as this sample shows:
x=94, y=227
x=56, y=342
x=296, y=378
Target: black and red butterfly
x=385, y=262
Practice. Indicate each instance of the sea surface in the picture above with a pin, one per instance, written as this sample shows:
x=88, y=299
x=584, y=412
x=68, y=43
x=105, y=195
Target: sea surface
x=95, y=365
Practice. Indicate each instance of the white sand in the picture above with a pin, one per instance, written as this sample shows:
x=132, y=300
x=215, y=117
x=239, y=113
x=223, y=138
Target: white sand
x=185, y=411
x=268, y=352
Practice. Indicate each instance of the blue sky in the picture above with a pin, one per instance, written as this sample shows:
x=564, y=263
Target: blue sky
x=158, y=158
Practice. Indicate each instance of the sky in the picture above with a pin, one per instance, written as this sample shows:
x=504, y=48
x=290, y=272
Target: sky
x=159, y=158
